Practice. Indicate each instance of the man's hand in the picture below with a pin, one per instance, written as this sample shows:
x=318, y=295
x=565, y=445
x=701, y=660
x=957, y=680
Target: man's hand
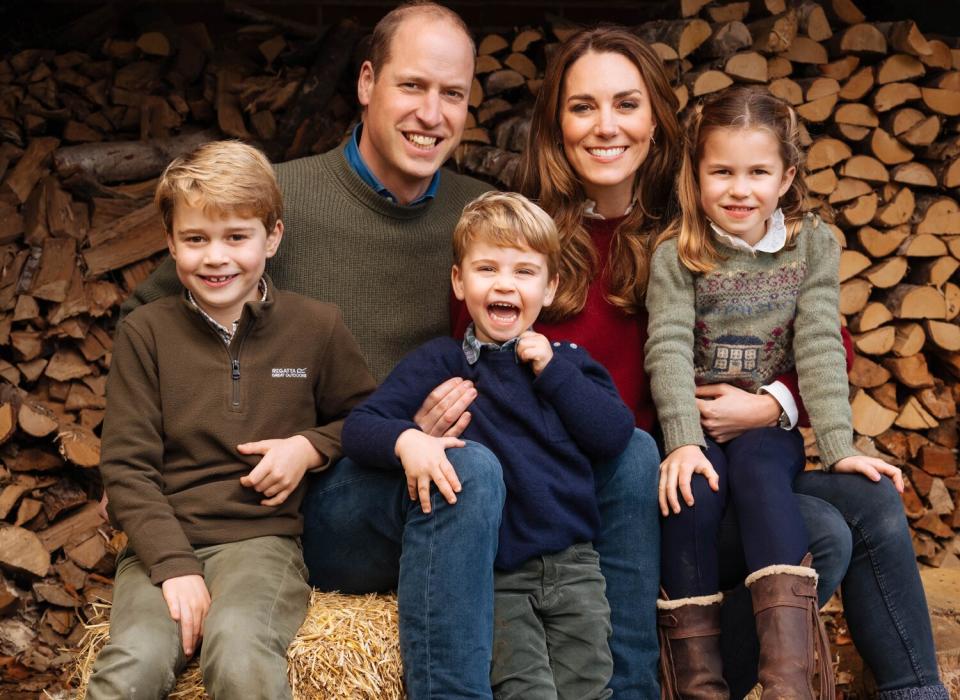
x=727, y=412
x=188, y=601
x=535, y=349
x=281, y=470
x=424, y=462
x=870, y=467
x=677, y=470
x=444, y=411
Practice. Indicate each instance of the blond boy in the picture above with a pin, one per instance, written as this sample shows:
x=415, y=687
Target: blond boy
x=546, y=410
x=214, y=525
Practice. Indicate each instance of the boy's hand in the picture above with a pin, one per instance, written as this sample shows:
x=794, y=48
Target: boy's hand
x=444, y=411
x=424, y=462
x=870, y=467
x=282, y=468
x=188, y=601
x=677, y=470
x=535, y=349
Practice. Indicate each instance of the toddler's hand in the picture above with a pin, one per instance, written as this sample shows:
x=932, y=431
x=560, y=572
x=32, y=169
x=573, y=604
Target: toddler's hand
x=535, y=349
x=424, y=462
x=188, y=601
x=281, y=470
x=677, y=470
x=870, y=467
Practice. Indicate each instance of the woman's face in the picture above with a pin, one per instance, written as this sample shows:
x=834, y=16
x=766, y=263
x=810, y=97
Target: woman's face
x=607, y=122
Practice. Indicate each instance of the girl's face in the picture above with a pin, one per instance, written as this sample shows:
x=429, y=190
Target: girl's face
x=742, y=178
x=607, y=122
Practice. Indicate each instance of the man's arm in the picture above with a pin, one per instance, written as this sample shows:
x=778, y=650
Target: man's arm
x=162, y=282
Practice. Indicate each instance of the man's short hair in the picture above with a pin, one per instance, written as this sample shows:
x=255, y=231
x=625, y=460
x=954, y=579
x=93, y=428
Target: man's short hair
x=383, y=33
x=222, y=177
x=508, y=220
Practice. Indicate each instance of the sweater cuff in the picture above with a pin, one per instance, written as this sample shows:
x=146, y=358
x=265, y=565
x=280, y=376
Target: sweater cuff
x=681, y=432
x=183, y=565
x=835, y=446
x=329, y=450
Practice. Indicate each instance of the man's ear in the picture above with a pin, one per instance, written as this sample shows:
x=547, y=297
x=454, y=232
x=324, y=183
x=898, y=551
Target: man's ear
x=365, y=83
x=456, y=282
x=273, y=238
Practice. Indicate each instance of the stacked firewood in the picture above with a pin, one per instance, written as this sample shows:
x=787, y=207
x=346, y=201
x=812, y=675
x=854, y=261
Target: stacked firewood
x=87, y=126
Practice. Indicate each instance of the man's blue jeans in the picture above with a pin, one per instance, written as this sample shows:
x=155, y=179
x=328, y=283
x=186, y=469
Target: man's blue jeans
x=858, y=535
x=362, y=533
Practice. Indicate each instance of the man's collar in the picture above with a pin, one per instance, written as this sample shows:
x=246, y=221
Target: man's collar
x=355, y=160
x=473, y=345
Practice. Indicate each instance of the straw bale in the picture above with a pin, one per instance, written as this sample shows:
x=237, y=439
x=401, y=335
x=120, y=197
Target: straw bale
x=348, y=647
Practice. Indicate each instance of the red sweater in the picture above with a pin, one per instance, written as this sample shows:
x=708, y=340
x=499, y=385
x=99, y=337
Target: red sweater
x=615, y=339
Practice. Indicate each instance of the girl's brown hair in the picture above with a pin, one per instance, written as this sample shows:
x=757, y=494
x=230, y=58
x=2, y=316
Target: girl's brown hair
x=741, y=107
x=545, y=175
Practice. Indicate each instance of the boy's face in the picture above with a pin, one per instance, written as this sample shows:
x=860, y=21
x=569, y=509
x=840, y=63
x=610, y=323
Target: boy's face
x=503, y=288
x=220, y=259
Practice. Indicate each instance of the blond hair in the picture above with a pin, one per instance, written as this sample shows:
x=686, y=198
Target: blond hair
x=507, y=220
x=546, y=175
x=383, y=33
x=740, y=107
x=222, y=177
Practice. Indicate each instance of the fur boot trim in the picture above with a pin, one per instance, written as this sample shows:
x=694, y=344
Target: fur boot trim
x=791, y=569
x=695, y=600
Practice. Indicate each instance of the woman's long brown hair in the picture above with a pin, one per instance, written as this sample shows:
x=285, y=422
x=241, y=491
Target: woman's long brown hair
x=545, y=175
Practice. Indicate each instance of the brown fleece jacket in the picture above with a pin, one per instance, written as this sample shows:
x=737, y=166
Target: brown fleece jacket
x=180, y=400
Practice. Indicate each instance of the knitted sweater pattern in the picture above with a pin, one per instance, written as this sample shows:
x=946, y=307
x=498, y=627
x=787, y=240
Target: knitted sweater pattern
x=750, y=320
x=544, y=430
x=386, y=266
x=180, y=400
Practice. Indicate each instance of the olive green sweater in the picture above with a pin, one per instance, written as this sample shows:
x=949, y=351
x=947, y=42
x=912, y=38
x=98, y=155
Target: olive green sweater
x=179, y=401
x=752, y=318
x=386, y=266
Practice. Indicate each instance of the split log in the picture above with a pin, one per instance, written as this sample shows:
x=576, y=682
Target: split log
x=913, y=301
x=21, y=551
x=869, y=417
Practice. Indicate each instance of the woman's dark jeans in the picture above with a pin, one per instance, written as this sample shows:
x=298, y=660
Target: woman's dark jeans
x=858, y=533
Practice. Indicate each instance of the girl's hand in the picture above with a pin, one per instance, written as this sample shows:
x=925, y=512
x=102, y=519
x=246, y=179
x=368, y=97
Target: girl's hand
x=726, y=412
x=870, y=467
x=535, y=349
x=677, y=470
x=424, y=462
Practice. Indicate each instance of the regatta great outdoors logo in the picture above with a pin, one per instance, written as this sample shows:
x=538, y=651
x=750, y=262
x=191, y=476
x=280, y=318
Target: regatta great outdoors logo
x=289, y=373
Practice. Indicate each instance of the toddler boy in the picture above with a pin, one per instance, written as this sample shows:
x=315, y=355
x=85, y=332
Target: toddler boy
x=213, y=526
x=546, y=411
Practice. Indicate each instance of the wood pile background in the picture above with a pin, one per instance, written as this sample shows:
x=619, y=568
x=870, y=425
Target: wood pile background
x=86, y=126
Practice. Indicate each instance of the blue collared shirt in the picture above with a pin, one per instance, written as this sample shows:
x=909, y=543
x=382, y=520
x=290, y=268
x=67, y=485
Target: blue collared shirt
x=473, y=345
x=352, y=154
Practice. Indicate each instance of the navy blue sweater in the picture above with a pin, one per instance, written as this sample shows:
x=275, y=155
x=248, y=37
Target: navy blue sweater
x=544, y=430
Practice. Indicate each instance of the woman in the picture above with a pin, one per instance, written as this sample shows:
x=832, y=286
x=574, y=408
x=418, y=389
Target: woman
x=601, y=157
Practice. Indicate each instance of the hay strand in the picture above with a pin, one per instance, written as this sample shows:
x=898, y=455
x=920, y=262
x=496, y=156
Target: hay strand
x=347, y=648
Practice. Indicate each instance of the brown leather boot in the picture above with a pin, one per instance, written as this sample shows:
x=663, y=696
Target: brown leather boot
x=793, y=642
x=690, y=663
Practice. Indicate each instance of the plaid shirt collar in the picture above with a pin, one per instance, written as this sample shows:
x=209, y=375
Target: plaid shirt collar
x=226, y=334
x=472, y=345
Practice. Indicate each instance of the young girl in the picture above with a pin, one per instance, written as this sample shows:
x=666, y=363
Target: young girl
x=743, y=287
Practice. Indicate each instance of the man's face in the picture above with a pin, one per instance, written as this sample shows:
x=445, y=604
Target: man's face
x=416, y=104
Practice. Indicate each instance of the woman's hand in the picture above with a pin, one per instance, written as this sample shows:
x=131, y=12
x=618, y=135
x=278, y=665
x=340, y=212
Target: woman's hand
x=677, y=470
x=870, y=467
x=727, y=412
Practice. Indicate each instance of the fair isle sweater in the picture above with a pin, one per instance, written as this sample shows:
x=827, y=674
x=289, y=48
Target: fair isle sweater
x=750, y=320
x=545, y=430
x=386, y=266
